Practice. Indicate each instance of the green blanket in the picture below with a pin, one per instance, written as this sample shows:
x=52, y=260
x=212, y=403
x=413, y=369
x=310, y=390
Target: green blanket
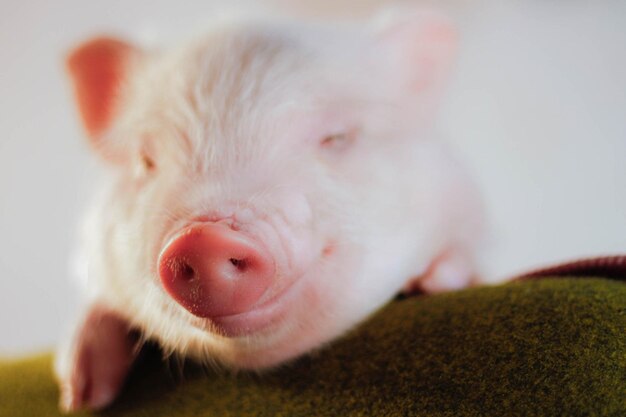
x=552, y=347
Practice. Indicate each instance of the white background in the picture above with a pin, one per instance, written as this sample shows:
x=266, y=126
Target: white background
x=537, y=108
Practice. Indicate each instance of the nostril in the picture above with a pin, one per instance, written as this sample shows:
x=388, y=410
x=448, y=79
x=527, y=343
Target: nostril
x=180, y=269
x=187, y=272
x=240, y=264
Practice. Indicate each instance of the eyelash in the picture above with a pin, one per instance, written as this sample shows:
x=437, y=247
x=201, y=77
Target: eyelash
x=339, y=141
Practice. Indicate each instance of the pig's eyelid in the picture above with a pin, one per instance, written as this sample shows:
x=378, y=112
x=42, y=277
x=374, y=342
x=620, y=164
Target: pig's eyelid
x=148, y=163
x=330, y=139
x=143, y=167
x=339, y=140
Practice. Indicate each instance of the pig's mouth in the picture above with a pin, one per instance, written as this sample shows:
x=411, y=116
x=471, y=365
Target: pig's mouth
x=268, y=314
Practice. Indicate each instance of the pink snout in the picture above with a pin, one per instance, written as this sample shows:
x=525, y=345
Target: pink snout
x=214, y=271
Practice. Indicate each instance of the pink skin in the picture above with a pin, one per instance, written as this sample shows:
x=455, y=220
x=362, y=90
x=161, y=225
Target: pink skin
x=102, y=353
x=214, y=271
x=281, y=184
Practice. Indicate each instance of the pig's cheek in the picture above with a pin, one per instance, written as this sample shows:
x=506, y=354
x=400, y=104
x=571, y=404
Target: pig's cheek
x=320, y=314
x=153, y=216
x=92, y=369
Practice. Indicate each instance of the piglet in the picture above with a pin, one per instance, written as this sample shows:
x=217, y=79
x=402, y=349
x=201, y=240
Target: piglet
x=269, y=185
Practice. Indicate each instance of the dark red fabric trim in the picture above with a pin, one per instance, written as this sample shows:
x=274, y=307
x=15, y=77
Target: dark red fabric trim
x=613, y=267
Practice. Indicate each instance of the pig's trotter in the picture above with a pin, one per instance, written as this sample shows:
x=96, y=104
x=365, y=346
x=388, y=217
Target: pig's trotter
x=92, y=369
x=450, y=271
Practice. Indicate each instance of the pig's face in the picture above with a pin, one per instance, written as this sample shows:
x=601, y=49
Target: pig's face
x=269, y=188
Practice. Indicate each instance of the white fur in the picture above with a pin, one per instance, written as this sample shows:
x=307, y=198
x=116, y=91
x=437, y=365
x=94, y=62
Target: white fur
x=233, y=121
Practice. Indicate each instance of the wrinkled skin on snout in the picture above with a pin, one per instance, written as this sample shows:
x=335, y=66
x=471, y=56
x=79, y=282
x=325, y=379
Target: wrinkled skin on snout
x=269, y=185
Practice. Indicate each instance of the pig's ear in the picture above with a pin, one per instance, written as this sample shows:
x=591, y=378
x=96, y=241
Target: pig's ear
x=98, y=69
x=417, y=48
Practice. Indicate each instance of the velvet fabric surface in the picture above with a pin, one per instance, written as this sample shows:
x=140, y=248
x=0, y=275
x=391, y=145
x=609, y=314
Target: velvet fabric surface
x=542, y=347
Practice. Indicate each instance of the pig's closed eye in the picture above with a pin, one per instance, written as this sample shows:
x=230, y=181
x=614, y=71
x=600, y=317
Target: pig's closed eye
x=339, y=141
x=147, y=163
x=144, y=167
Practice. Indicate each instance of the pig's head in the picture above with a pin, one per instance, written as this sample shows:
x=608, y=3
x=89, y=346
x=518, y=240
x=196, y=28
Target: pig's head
x=270, y=184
